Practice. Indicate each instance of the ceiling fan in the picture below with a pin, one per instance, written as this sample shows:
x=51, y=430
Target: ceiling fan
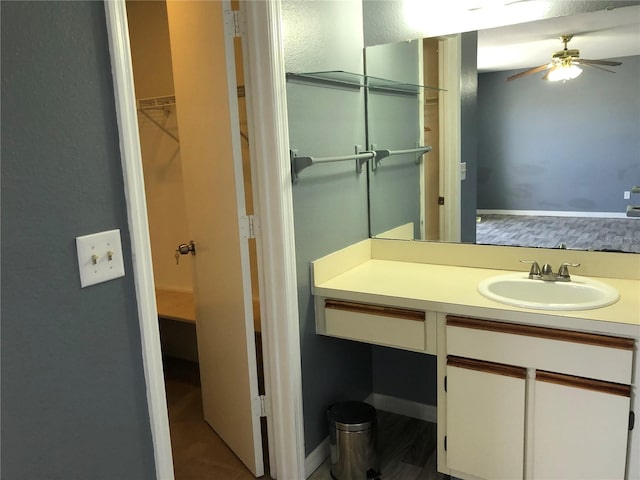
x=564, y=64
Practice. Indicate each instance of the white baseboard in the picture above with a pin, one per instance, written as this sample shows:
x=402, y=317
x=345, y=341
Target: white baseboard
x=316, y=457
x=400, y=406
x=408, y=408
x=551, y=213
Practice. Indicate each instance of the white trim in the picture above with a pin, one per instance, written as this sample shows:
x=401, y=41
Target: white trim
x=408, y=408
x=423, y=169
x=231, y=29
x=450, y=138
x=131, y=158
x=552, y=213
x=267, y=116
x=317, y=457
x=272, y=183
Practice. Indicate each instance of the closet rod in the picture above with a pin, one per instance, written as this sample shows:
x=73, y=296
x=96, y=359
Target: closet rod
x=380, y=154
x=299, y=163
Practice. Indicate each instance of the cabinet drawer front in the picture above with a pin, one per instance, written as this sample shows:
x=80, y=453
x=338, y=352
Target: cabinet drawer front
x=376, y=324
x=593, y=356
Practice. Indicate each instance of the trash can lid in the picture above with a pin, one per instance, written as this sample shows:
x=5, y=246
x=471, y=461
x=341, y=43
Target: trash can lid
x=351, y=416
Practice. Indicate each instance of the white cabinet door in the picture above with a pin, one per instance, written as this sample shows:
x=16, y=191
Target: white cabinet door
x=580, y=428
x=485, y=419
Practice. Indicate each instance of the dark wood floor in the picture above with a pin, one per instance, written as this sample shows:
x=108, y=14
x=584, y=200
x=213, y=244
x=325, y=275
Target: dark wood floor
x=198, y=452
x=576, y=233
x=407, y=447
x=407, y=450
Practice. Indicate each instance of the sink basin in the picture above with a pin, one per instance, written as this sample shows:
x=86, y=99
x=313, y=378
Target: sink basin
x=519, y=290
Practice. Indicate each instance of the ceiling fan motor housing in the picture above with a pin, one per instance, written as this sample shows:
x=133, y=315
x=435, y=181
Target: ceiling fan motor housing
x=560, y=54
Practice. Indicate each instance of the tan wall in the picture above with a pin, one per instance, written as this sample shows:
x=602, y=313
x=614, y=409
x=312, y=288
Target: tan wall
x=153, y=77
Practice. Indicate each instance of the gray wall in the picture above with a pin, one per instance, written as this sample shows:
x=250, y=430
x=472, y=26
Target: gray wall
x=73, y=390
x=330, y=201
x=469, y=135
x=559, y=147
x=407, y=375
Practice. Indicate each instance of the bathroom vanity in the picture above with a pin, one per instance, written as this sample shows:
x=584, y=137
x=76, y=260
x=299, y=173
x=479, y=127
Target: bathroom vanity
x=522, y=393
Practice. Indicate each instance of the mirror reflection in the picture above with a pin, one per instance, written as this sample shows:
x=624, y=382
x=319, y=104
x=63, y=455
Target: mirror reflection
x=548, y=164
x=393, y=127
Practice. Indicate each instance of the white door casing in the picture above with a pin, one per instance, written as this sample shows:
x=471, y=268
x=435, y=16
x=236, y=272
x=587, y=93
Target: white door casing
x=450, y=138
x=273, y=202
x=267, y=118
x=131, y=159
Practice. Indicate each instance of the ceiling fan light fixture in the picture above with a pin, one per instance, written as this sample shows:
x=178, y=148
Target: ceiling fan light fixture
x=564, y=73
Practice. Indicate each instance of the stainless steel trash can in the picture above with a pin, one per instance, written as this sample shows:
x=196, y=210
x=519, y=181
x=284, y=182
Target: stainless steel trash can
x=352, y=436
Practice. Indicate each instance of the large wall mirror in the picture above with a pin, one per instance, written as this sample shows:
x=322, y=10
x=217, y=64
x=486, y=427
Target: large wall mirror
x=552, y=164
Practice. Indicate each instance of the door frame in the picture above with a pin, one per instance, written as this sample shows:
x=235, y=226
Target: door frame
x=450, y=137
x=266, y=101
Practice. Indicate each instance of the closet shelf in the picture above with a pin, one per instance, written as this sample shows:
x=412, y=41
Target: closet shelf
x=357, y=80
x=176, y=305
x=158, y=103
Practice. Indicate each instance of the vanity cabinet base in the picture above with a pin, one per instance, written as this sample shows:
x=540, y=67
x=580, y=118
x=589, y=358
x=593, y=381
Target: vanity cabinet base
x=509, y=418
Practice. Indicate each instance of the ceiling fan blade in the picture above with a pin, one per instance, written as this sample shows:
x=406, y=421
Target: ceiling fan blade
x=587, y=64
x=598, y=62
x=530, y=71
x=546, y=76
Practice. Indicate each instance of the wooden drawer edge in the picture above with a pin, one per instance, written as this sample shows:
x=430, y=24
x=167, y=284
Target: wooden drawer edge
x=402, y=313
x=584, y=383
x=487, y=367
x=542, y=332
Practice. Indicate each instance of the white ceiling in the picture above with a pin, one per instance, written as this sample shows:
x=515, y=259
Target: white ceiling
x=598, y=35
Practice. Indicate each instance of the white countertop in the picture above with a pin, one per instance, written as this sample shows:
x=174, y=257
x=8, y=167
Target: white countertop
x=453, y=290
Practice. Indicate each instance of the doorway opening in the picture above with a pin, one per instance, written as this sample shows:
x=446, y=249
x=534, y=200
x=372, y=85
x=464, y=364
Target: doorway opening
x=195, y=444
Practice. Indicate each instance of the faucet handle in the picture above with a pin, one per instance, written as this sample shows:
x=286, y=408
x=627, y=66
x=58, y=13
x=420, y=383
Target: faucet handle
x=535, y=268
x=563, y=271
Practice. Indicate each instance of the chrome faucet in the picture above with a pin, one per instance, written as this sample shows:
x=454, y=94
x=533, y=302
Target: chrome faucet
x=535, y=268
x=563, y=272
x=546, y=272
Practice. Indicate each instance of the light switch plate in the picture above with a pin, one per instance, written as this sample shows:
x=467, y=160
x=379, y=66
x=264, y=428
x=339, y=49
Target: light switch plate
x=99, y=257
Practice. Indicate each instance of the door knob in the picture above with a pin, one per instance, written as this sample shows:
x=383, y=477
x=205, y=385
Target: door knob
x=184, y=248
